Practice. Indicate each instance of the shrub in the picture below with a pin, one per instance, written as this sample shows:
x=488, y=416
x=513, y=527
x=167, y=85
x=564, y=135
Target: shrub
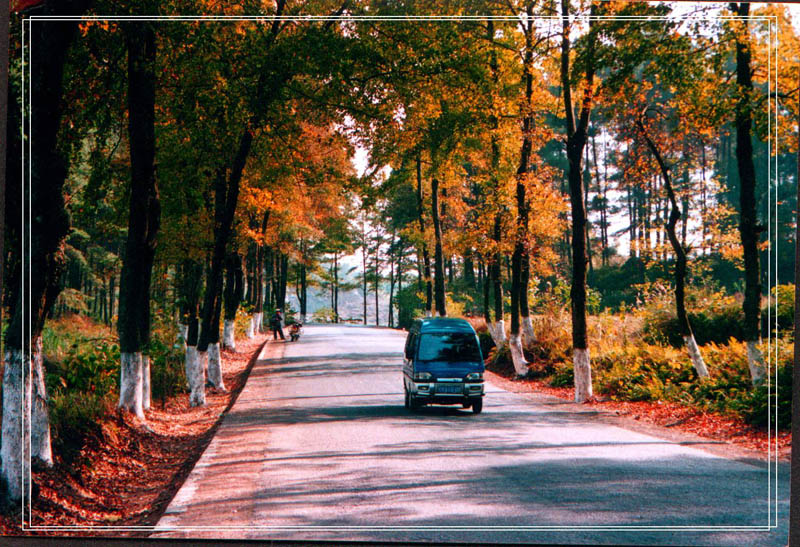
x=716, y=318
x=167, y=373
x=563, y=376
x=324, y=315
x=241, y=322
x=409, y=306
x=783, y=297
x=74, y=417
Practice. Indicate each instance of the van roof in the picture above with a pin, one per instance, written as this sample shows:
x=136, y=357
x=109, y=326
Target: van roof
x=439, y=324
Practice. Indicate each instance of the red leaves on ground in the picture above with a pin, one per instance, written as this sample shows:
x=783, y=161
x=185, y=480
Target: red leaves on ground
x=672, y=415
x=127, y=475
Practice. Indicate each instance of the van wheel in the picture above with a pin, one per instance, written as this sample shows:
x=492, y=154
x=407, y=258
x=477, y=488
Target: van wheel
x=477, y=406
x=466, y=404
x=407, y=404
x=413, y=404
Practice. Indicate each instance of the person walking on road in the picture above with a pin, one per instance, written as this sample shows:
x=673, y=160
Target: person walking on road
x=276, y=324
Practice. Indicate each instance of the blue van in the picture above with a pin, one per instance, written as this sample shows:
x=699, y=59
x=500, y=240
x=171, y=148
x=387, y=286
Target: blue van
x=443, y=364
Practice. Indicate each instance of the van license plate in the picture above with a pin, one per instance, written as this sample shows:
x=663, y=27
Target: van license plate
x=449, y=388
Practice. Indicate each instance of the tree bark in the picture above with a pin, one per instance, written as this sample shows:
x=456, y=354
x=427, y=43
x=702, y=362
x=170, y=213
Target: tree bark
x=749, y=228
x=377, y=280
x=48, y=225
x=497, y=328
x=133, y=323
x=438, y=258
x=391, y=278
x=425, y=256
x=303, y=292
x=336, y=286
x=226, y=193
x=518, y=281
x=364, y=266
x=576, y=140
x=232, y=297
x=469, y=269
x=680, y=259
x=284, y=262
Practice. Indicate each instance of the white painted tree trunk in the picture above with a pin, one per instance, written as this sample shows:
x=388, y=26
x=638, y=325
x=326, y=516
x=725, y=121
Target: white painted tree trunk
x=228, y=338
x=260, y=323
x=528, y=336
x=15, y=434
x=583, y=374
x=183, y=333
x=303, y=319
x=697, y=358
x=130, y=383
x=755, y=360
x=41, y=447
x=517, y=356
x=194, y=374
x=498, y=331
x=146, y=399
x=251, y=328
x=215, y=367
x=428, y=313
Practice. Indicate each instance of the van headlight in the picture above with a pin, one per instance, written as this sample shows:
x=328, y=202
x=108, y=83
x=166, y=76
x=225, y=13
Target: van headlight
x=422, y=376
x=474, y=376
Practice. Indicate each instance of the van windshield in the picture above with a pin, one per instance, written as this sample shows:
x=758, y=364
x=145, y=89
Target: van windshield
x=441, y=346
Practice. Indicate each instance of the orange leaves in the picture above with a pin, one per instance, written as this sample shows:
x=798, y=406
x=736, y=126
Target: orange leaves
x=297, y=179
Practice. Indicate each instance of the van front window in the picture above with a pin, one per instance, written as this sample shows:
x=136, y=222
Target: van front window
x=457, y=346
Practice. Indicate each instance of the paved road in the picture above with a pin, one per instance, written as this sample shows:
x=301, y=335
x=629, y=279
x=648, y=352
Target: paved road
x=319, y=446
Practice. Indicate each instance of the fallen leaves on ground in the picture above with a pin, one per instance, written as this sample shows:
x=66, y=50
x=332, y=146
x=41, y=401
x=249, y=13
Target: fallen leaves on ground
x=127, y=475
x=705, y=424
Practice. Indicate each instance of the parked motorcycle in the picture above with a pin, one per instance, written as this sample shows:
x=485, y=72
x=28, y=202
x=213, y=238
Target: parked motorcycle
x=294, y=331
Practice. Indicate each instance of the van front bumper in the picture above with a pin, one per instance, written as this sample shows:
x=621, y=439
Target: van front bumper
x=446, y=393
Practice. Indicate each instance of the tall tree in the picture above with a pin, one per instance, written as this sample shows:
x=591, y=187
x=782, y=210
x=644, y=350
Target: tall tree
x=49, y=226
x=426, y=260
x=576, y=132
x=133, y=324
x=680, y=254
x=749, y=227
x=438, y=258
x=520, y=259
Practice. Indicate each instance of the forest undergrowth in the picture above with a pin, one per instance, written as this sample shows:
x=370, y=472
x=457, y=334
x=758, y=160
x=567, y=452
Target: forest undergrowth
x=637, y=358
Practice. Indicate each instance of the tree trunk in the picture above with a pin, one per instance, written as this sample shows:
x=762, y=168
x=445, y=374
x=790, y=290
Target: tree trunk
x=191, y=284
x=469, y=270
x=680, y=259
x=226, y=193
x=438, y=258
x=528, y=334
x=364, y=266
x=336, y=287
x=377, y=281
x=749, y=228
x=576, y=140
x=518, y=281
x=497, y=328
x=391, y=279
x=303, y=293
x=133, y=323
x=232, y=297
x=49, y=225
x=284, y=262
x=425, y=256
